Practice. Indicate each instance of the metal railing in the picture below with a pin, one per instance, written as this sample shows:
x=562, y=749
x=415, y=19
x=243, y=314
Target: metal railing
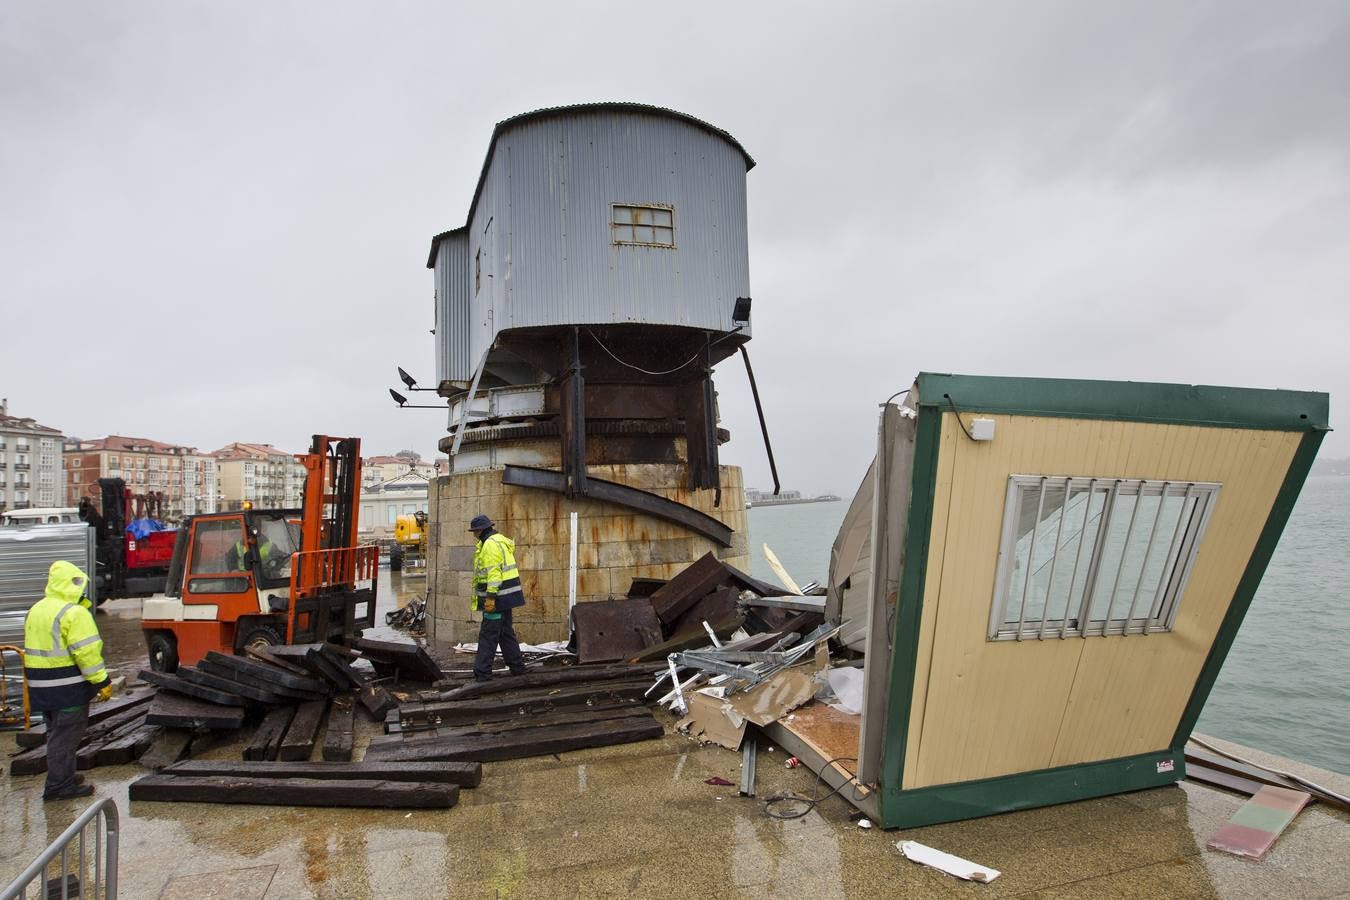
x=9, y=713
x=103, y=815
x=314, y=570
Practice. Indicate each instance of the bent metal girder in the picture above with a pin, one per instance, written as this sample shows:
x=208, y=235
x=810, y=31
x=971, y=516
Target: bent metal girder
x=622, y=495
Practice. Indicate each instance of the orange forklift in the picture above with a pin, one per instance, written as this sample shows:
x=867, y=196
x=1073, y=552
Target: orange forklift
x=255, y=577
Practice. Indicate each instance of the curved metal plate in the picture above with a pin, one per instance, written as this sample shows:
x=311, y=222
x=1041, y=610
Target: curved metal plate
x=623, y=495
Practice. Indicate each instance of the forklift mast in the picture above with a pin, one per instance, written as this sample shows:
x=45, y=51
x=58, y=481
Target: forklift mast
x=324, y=595
x=332, y=492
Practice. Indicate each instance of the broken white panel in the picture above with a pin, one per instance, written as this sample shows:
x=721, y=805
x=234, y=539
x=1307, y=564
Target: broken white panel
x=946, y=862
x=781, y=571
x=847, y=684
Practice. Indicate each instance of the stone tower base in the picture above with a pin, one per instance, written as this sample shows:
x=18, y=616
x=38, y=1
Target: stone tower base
x=614, y=543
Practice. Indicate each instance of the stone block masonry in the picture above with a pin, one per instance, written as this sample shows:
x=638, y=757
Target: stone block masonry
x=614, y=544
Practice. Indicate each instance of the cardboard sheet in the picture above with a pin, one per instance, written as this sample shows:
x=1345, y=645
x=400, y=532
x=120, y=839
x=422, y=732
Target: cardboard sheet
x=712, y=719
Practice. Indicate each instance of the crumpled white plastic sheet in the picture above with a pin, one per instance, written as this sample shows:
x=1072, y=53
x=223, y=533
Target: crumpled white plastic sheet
x=946, y=862
x=847, y=684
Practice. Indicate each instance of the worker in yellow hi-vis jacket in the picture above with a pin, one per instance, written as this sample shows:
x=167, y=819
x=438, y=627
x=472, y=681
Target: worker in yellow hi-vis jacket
x=497, y=591
x=63, y=663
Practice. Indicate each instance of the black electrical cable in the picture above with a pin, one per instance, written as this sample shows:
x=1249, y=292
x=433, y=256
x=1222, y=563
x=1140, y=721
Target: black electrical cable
x=811, y=802
x=958, y=416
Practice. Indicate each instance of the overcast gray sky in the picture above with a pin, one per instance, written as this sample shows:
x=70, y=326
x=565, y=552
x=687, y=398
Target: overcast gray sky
x=214, y=218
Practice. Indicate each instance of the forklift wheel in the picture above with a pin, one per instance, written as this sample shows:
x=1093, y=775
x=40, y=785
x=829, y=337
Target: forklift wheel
x=163, y=652
x=261, y=636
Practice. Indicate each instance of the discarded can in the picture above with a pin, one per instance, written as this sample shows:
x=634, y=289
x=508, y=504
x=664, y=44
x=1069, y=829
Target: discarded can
x=793, y=762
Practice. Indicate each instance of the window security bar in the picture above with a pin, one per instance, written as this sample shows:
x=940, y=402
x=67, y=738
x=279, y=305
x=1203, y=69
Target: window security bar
x=1090, y=556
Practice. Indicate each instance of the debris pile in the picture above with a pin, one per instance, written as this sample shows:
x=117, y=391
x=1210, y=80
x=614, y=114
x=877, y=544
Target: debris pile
x=546, y=711
x=658, y=618
x=411, y=618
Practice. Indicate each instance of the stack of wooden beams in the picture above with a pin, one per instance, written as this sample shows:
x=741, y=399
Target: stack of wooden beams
x=118, y=733
x=549, y=711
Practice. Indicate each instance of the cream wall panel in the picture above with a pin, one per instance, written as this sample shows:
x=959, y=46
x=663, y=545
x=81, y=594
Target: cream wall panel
x=986, y=708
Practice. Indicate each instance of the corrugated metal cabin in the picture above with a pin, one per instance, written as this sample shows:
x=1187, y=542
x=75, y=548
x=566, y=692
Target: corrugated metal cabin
x=596, y=214
x=1056, y=574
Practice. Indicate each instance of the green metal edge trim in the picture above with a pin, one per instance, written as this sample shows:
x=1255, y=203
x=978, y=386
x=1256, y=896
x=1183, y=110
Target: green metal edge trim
x=1129, y=401
x=918, y=529
x=1280, y=510
x=989, y=796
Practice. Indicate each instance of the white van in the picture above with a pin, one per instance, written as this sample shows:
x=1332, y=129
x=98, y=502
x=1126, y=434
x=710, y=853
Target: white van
x=42, y=515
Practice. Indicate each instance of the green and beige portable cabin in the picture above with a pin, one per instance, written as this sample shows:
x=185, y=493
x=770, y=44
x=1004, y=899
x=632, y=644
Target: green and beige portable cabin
x=1050, y=574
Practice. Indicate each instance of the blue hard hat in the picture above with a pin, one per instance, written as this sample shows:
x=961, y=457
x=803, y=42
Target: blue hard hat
x=480, y=522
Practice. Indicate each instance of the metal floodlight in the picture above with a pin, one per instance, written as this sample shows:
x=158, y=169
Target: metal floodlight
x=740, y=313
x=407, y=379
x=403, y=403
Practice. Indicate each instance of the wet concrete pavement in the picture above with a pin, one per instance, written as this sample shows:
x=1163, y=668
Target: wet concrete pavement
x=639, y=821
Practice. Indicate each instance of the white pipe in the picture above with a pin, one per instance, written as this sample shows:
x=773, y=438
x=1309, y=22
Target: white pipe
x=572, y=569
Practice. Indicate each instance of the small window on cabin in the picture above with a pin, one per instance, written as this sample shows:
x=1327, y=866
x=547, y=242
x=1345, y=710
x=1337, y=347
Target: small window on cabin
x=1089, y=557
x=477, y=270
x=643, y=224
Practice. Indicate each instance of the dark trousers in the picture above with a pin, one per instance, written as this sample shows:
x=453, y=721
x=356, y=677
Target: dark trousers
x=65, y=730
x=492, y=633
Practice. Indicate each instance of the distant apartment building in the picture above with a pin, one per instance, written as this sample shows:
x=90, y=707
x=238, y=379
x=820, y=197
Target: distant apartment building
x=30, y=463
x=183, y=477
x=383, y=504
x=379, y=469
x=261, y=474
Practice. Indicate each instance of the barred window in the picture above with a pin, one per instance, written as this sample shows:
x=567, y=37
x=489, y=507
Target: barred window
x=1083, y=557
x=648, y=225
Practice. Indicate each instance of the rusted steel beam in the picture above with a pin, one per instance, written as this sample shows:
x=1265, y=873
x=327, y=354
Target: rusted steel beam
x=656, y=506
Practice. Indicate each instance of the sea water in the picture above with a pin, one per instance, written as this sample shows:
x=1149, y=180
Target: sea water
x=1285, y=686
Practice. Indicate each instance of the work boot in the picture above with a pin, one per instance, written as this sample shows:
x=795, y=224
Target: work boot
x=482, y=679
x=70, y=793
x=521, y=671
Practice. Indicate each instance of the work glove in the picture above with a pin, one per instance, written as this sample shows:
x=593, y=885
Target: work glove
x=490, y=604
x=104, y=693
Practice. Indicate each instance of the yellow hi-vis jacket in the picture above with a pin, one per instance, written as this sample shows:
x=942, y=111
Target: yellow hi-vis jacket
x=496, y=580
x=63, y=652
